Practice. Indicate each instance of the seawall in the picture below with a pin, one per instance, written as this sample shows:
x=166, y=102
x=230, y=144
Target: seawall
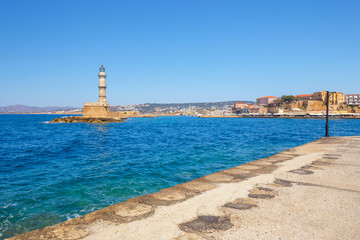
x=308, y=192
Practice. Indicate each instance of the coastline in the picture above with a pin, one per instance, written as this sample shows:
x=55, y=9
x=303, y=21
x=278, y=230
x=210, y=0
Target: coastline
x=284, y=116
x=205, y=116
x=214, y=205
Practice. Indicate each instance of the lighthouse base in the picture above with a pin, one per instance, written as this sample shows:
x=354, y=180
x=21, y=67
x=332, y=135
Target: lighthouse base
x=102, y=110
x=96, y=110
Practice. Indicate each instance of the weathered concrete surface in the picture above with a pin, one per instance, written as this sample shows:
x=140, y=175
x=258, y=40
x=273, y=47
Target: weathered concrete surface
x=309, y=192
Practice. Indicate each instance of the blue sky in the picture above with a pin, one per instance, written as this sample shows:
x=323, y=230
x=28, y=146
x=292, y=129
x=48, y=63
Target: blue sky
x=176, y=51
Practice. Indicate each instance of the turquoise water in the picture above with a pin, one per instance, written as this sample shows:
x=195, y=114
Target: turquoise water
x=53, y=172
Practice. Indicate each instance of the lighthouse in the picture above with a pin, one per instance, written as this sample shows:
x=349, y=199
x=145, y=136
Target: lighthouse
x=98, y=112
x=102, y=86
x=101, y=108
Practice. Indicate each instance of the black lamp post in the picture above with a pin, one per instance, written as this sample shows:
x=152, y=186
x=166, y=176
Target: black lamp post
x=327, y=113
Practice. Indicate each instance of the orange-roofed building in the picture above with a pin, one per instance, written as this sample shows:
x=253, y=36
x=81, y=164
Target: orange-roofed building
x=247, y=109
x=303, y=97
x=240, y=105
x=237, y=107
x=262, y=101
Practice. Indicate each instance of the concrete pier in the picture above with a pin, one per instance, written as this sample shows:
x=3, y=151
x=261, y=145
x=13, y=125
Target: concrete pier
x=308, y=192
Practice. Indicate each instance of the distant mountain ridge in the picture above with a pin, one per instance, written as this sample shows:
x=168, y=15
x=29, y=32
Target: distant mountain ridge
x=25, y=108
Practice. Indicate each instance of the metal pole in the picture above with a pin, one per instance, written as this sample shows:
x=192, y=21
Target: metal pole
x=327, y=115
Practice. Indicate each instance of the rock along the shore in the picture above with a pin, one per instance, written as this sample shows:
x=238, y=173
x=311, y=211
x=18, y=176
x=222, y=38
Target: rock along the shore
x=86, y=120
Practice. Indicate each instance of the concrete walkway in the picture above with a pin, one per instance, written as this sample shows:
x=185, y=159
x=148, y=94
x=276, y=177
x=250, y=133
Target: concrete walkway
x=308, y=192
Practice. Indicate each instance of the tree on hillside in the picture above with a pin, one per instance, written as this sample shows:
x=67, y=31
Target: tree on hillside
x=287, y=98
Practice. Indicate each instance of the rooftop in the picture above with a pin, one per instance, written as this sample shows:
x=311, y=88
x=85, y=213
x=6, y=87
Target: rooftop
x=303, y=95
x=268, y=97
x=250, y=106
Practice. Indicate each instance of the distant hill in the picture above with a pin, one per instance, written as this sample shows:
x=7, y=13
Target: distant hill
x=24, y=108
x=167, y=107
x=205, y=105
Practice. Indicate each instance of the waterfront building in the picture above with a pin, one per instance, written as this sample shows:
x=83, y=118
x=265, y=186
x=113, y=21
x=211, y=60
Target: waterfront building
x=263, y=101
x=203, y=111
x=259, y=110
x=240, y=105
x=335, y=98
x=353, y=99
x=303, y=97
x=237, y=107
x=247, y=109
x=251, y=109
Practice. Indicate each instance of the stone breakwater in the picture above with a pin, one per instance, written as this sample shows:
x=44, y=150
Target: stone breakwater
x=86, y=120
x=308, y=192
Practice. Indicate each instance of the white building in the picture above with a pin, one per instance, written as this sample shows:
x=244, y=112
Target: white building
x=353, y=99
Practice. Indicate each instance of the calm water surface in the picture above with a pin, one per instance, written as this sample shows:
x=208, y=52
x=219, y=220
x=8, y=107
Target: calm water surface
x=53, y=172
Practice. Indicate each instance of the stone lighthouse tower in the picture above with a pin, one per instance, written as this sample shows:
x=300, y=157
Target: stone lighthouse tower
x=102, y=86
x=99, y=109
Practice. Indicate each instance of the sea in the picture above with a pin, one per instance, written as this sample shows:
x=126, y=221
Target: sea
x=52, y=172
